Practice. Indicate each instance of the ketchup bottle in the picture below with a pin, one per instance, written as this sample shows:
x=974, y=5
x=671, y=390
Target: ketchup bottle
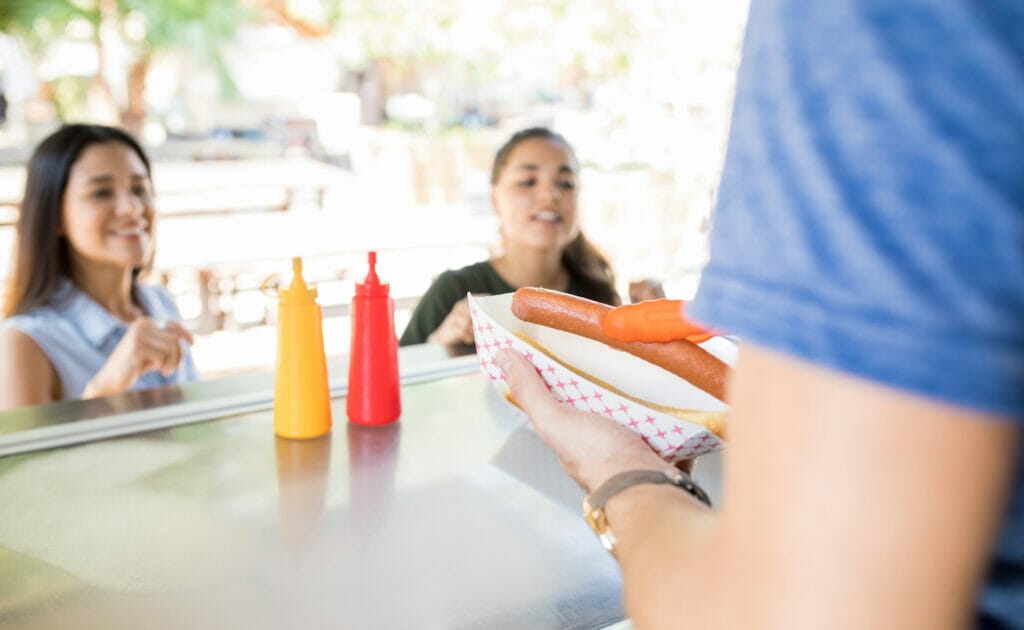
x=302, y=397
x=373, y=388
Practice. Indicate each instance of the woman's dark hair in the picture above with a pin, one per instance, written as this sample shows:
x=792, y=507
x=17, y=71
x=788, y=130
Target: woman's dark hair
x=585, y=262
x=41, y=255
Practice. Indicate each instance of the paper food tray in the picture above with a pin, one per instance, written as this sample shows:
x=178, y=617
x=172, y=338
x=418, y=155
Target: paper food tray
x=674, y=439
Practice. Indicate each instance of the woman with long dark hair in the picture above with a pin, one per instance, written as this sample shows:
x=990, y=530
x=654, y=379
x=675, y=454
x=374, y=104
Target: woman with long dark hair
x=79, y=323
x=534, y=194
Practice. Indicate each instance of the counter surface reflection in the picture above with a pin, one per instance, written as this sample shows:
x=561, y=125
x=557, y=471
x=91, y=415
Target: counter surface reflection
x=455, y=517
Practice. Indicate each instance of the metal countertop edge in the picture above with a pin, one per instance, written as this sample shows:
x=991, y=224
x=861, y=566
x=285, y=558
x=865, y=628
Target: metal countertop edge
x=93, y=429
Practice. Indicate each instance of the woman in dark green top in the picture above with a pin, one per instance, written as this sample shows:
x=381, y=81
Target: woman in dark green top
x=534, y=194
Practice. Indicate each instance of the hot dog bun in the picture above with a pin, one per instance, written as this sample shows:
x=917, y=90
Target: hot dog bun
x=714, y=421
x=582, y=317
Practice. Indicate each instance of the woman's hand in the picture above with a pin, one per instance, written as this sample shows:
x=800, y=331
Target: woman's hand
x=149, y=344
x=590, y=448
x=457, y=327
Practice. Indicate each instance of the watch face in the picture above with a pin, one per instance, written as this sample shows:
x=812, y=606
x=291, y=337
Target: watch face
x=594, y=517
x=598, y=523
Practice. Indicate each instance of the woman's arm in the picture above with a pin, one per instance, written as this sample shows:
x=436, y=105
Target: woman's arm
x=26, y=376
x=847, y=504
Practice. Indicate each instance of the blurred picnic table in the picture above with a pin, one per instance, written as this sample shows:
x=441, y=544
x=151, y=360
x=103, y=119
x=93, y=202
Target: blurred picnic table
x=215, y=186
x=228, y=224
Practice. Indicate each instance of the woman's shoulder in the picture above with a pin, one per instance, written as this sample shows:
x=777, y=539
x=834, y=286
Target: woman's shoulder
x=66, y=303
x=19, y=341
x=29, y=375
x=44, y=328
x=38, y=319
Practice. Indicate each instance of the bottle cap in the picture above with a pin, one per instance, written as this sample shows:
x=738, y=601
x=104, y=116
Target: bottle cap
x=298, y=292
x=372, y=286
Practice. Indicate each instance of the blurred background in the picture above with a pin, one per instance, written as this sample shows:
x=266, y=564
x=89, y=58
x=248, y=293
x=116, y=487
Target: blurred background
x=324, y=128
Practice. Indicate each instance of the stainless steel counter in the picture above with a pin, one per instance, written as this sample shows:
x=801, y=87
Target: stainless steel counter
x=455, y=517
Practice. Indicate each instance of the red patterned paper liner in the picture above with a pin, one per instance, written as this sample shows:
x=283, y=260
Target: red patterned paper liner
x=673, y=439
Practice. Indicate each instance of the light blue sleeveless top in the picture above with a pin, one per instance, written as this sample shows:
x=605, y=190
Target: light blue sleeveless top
x=78, y=335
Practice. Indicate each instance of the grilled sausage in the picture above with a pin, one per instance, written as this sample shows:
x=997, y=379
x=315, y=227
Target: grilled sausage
x=582, y=317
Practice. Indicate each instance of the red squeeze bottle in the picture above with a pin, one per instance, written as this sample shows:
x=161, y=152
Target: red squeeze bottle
x=373, y=388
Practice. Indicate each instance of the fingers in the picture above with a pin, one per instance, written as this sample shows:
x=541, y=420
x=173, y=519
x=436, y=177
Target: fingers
x=165, y=330
x=171, y=338
x=152, y=356
x=457, y=327
x=590, y=448
x=462, y=316
x=686, y=465
x=641, y=290
x=526, y=385
x=180, y=332
x=467, y=334
x=553, y=423
x=172, y=356
x=462, y=324
x=149, y=344
x=160, y=352
x=159, y=345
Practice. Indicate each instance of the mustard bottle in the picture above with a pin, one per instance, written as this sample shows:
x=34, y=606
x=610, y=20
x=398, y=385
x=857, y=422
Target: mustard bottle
x=302, y=400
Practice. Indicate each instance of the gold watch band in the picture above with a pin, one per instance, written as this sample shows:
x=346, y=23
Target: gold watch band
x=593, y=504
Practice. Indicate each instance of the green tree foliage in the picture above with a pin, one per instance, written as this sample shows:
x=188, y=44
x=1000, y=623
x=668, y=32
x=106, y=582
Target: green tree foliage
x=40, y=21
x=196, y=27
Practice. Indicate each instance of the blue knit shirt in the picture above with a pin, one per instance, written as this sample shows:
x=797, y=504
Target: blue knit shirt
x=871, y=213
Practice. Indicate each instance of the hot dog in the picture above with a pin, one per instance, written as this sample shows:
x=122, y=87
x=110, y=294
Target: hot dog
x=713, y=420
x=652, y=321
x=583, y=317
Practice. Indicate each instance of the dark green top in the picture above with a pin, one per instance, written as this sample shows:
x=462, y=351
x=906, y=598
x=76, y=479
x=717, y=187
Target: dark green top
x=453, y=285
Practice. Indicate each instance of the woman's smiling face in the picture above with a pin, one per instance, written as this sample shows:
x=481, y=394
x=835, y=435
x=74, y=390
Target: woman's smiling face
x=107, y=211
x=535, y=195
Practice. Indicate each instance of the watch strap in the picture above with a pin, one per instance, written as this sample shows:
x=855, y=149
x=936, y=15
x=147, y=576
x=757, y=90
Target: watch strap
x=630, y=478
x=593, y=504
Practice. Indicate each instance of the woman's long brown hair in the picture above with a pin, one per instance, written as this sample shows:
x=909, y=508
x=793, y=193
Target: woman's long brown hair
x=584, y=261
x=41, y=256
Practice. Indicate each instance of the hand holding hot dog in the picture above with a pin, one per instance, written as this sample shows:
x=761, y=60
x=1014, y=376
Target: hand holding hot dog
x=590, y=448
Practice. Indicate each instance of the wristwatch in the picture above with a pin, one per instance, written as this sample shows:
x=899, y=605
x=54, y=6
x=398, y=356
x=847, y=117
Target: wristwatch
x=593, y=504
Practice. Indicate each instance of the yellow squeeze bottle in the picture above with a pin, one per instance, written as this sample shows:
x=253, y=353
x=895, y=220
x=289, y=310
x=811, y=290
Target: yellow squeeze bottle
x=302, y=400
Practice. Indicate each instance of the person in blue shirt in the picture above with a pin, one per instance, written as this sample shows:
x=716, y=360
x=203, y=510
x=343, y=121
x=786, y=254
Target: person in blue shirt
x=79, y=323
x=868, y=250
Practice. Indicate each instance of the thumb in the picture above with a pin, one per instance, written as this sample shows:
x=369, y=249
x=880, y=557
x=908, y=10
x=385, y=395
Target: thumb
x=527, y=387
